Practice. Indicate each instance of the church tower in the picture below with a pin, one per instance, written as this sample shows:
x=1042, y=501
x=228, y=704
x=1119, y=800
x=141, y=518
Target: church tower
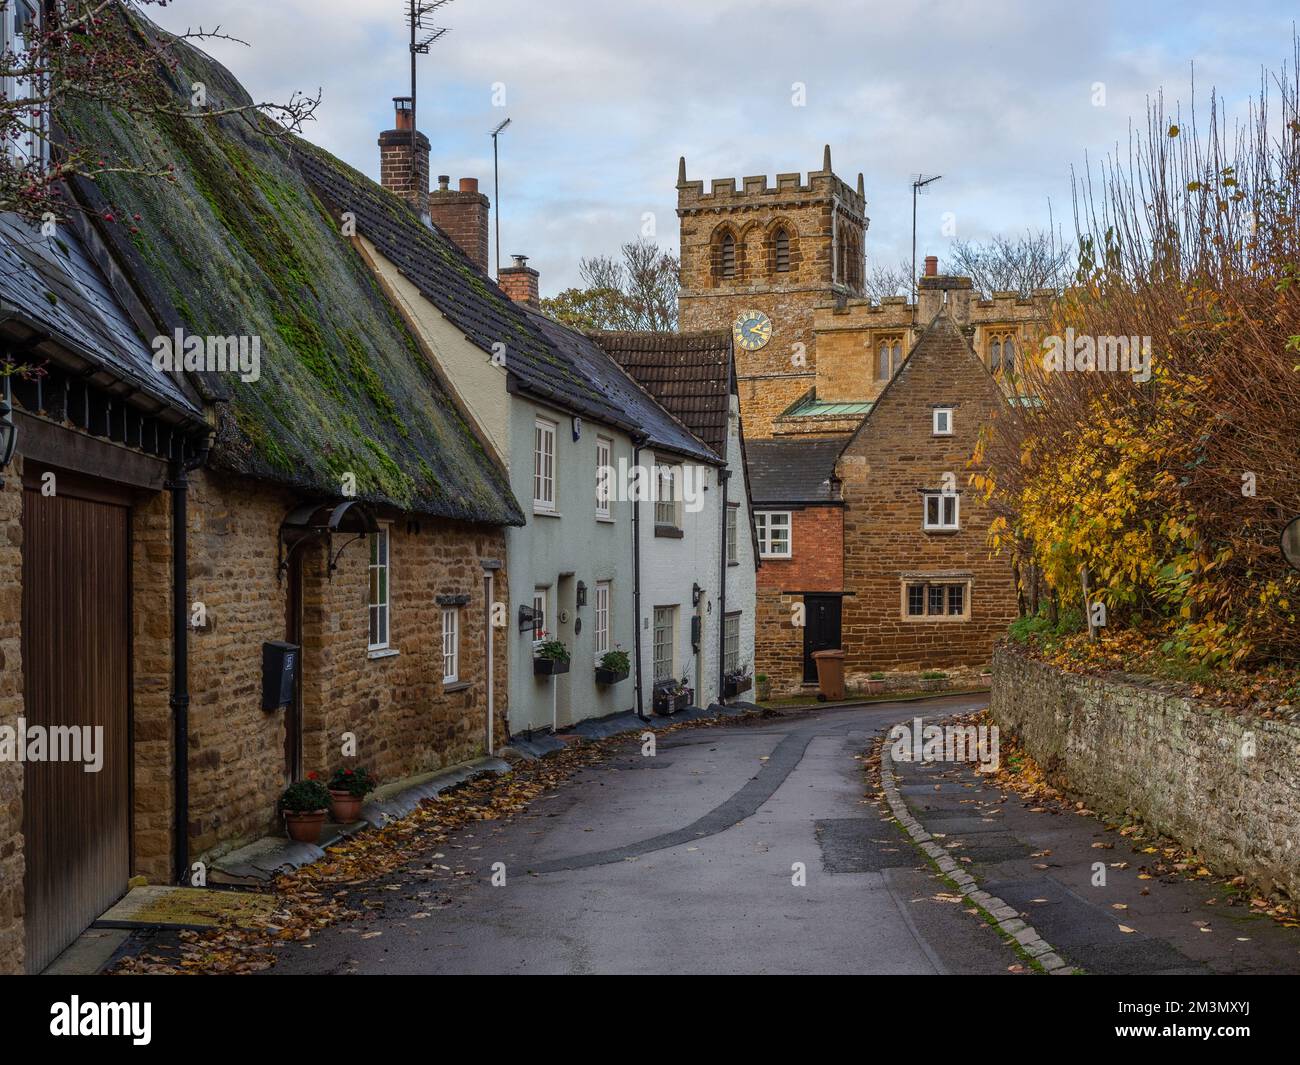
x=759, y=260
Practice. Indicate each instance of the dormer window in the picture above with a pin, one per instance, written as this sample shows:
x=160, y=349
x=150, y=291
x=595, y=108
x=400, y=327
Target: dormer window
x=19, y=21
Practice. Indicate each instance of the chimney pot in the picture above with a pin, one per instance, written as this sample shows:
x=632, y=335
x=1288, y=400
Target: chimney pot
x=462, y=214
x=404, y=156
x=519, y=282
x=931, y=266
x=402, y=107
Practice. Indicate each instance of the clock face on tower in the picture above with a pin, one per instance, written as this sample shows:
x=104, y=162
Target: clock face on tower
x=752, y=329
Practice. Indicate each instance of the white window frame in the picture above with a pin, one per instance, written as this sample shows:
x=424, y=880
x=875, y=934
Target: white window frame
x=604, y=477
x=765, y=521
x=666, y=614
x=943, y=499
x=380, y=590
x=539, y=620
x=603, y=601
x=450, y=644
x=36, y=146
x=733, y=534
x=545, y=465
x=942, y=415
x=731, y=642
x=668, y=496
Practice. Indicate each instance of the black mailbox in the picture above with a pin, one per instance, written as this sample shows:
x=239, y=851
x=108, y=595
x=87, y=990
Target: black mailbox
x=279, y=673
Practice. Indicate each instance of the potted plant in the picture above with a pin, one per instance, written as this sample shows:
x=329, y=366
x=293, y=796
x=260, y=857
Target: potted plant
x=348, y=789
x=875, y=683
x=613, y=666
x=737, y=682
x=549, y=657
x=933, y=680
x=304, y=804
x=670, y=696
x=764, y=683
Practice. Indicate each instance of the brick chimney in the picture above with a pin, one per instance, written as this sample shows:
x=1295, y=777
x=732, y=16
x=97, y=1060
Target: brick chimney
x=396, y=173
x=463, y=215
x=519, y=282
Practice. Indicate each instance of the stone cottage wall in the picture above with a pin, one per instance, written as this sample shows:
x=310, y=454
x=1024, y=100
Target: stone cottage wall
x=404, y=723
x=1225, y=785
x=404, y=719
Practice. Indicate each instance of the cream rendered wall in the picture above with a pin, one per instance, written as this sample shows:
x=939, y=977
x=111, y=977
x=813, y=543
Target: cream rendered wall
x=478, y=384
x=741, y=579
x=670, y=569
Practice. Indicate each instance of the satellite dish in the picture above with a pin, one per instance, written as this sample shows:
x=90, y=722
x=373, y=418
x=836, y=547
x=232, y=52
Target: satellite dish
x=1291, y=543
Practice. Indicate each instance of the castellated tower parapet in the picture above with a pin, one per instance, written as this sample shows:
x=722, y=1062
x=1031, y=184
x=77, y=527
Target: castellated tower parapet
x=773, y=249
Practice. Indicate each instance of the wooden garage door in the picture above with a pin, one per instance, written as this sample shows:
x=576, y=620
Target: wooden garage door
x=76, y=664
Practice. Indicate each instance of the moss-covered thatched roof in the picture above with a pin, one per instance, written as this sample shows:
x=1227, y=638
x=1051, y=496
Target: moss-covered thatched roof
x=239, y=245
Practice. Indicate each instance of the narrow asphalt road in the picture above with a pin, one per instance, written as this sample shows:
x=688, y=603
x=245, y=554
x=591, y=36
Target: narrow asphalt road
x=684, y=862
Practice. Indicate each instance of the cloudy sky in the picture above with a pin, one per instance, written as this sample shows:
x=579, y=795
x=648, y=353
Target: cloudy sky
x=998, y=96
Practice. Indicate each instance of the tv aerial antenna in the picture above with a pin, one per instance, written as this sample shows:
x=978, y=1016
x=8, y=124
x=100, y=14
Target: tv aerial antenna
x=423, y=34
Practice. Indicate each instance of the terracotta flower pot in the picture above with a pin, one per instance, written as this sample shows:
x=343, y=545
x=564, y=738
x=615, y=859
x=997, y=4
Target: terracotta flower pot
x=304, y=826
x=345, y=807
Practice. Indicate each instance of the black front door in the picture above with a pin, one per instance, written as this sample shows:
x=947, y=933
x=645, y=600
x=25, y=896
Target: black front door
x=821, y=630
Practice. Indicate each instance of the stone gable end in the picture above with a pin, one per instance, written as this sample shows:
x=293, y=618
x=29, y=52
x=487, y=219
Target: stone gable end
x=884, y=469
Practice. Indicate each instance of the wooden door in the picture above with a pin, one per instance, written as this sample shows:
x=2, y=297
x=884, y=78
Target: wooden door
x=76, y=664
x=821, y=630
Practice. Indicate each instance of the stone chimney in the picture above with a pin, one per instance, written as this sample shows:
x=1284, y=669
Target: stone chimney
x=938, y=292
x=463, y=215
x=396, y=172
x=519, y=282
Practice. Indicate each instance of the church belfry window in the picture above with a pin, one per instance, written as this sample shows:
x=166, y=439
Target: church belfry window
x=727, y=263
x=782, y=251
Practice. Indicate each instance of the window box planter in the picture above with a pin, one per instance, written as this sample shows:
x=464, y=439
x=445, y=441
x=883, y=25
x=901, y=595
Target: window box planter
x=669, y=701
x=736, y=685
x=549, y=667
x=611, y=676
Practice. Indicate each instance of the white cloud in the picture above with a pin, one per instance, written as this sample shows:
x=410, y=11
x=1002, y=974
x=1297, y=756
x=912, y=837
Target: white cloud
x=605, y=96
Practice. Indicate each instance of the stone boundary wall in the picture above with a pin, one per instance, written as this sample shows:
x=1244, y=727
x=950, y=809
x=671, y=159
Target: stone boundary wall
x=1182, y=766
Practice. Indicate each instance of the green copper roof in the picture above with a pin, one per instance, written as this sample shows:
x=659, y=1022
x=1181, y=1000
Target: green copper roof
x=812, y=408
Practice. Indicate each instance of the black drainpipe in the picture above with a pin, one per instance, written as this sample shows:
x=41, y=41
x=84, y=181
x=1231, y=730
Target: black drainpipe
x=178, y=484
x=724, y=477
x=636, y=579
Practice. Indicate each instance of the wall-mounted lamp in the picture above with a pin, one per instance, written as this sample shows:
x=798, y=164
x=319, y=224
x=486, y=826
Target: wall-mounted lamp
x=697, y=593
x=581, y=595
x=577, y=429
x=8, y=431
x=527, y=618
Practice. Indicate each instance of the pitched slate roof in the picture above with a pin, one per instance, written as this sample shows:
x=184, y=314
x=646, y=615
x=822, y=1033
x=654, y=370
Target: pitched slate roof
x=239, y=244
x=689, y=373
x=545, y=359
x=793, y=469
x=54, y=287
